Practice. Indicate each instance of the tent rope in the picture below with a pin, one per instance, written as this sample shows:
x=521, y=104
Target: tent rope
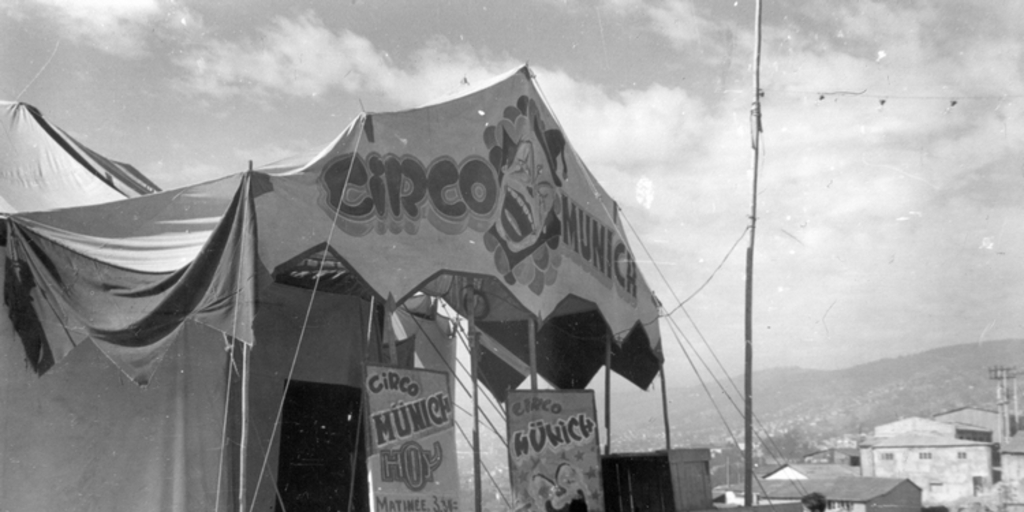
x=674, y=328
x=682, y=306
x=464, y=340
x=309, y=307
x=455, y=375
x=619, y=336
x=277, y=489
x=767, y=439
x=486, y=470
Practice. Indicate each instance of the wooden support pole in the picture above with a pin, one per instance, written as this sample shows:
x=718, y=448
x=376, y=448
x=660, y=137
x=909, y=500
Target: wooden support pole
x=475, y=369
x=531, y=338
x=244, y=441
x=389, y=331
x=608, y=394
x=748, y=385
x=664, y=410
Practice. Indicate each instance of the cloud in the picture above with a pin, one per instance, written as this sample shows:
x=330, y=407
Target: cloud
x=302, y=57
x=681, y=23
x=630, y=127
x=837, y=172
x=119, y=27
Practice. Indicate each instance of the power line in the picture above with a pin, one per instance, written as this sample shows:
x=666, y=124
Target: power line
x=680, y=333
x=721, y=416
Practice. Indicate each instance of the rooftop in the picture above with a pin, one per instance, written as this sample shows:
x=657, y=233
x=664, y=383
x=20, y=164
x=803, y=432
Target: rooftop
x=855, y=489
x=820, y=471
x=958, y=409
x=917, y=439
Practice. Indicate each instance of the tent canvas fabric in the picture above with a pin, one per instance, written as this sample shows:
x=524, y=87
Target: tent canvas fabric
x=481, y=195
x=42, y=167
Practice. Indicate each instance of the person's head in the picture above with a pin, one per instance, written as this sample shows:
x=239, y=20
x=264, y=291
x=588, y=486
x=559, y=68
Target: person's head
x=814, y=502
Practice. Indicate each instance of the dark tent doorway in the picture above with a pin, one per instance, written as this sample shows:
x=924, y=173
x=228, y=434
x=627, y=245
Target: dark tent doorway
x=319, y=435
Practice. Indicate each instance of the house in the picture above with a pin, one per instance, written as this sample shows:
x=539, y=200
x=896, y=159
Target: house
x=811, y=472
x=844, y=456
x=979, y=417
x=915, y=425
x=944, y=467
x=952, y=424
x=843, y=494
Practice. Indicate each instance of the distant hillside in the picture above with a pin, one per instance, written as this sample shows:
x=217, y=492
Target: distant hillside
x=824, y=405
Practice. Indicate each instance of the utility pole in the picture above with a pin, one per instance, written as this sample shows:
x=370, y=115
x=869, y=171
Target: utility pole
x=748, y=406
x=1016, y=408
x=1000, y=374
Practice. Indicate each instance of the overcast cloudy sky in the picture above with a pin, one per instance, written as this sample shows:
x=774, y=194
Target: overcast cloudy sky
x=892, y=193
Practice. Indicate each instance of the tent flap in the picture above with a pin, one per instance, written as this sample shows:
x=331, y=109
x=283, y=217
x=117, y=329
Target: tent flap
x=128, y=313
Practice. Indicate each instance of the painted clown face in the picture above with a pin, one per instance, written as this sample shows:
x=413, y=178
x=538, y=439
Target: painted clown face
x=529, y=195
x=568, y=477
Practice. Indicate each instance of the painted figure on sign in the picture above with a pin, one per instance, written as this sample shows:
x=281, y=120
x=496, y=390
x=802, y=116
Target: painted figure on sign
x=529, y=159
x=571, y=492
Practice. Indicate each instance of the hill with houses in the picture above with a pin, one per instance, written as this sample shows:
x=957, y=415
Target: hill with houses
x=800, y=409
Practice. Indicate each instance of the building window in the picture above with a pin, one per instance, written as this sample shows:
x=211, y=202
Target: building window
x=961, y=455
x=886, y=456
x=925, y=456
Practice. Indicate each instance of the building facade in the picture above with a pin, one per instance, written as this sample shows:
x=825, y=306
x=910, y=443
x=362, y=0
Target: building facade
x=945, y=468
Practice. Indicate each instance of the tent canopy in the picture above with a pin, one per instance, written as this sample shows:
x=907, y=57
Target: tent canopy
x=42, y=167
x=479, y=196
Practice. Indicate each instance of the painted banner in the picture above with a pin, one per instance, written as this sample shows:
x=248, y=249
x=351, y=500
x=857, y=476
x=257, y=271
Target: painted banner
x=412, y=459
x=554, y=452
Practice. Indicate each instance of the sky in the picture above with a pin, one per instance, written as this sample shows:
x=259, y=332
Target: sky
x=891, y=187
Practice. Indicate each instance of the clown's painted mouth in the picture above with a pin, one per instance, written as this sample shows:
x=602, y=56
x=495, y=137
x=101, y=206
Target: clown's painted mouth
x=516, y=216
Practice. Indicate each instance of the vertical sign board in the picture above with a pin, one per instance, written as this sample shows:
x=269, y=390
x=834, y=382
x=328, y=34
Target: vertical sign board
x=412, y=459
x=554, y=451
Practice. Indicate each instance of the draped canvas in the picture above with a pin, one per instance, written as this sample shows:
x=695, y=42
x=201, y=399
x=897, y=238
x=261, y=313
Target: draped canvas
x=130, y=315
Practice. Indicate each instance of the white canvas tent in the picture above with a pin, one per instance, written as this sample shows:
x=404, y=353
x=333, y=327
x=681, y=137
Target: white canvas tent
x=43, y=168
x=273, y=272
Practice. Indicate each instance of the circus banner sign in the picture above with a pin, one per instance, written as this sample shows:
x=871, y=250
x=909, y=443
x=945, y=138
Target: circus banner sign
x=554, y=451
x=412, y=440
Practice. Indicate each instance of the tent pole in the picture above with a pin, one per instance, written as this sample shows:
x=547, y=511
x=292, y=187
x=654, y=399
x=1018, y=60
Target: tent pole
x=364, y=405
x=531, y=337
x=389, y=331
x=608, y=393
x=748, y=385
x=475, y=369
x=244, y=442
x=664, y=410
x=355, y=445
